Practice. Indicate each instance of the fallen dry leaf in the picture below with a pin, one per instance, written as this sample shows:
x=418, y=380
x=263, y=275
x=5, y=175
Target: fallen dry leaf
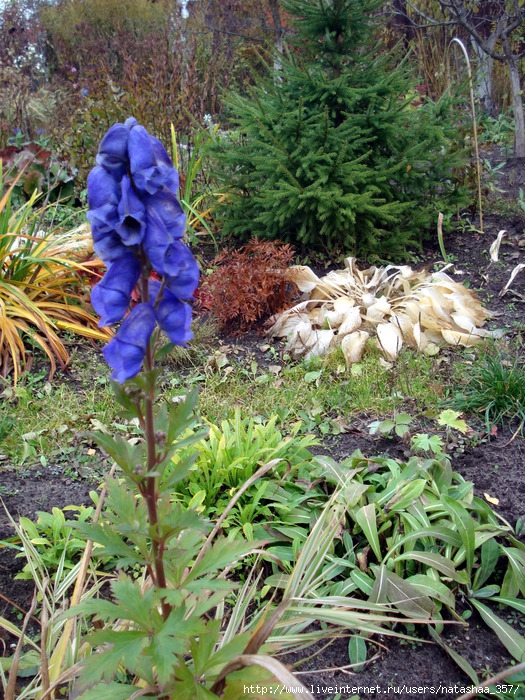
x=491, y=499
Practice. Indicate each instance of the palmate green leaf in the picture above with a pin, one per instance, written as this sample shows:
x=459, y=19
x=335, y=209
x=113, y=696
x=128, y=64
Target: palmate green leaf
x=121, y=648
x=102, y=609
x=365, y=517
x=136, y=605
x=457, y=658
x=172, y=640
x=511, y=640
x=423, y=442
x=128, y=642
x=451, y=419
x=173, y=518
x=111, y=543
x=125, y=513
x=466, y=528
x=130, y=604
x=127, y=456
x=202, y=648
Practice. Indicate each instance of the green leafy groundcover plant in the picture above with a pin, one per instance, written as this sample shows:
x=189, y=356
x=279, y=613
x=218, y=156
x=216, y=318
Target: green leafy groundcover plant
x=329, y=150
x=232, y=453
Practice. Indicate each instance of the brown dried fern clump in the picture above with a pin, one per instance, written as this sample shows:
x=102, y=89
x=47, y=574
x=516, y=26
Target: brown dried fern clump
x=248, y=285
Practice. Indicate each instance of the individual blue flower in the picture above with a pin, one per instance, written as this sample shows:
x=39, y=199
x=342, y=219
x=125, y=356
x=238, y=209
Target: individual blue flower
x=171, y=258
x=125, y=353
x=103, y=198
x=182, y=272
x=157, y=241
x=165, y=206
x=113, y=151
x=150, y=165
x=111, y=297
x=131, y=224
x=173, y=315
x=108, y=245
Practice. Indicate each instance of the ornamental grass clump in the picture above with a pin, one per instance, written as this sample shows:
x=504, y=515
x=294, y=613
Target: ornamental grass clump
x=39, y=295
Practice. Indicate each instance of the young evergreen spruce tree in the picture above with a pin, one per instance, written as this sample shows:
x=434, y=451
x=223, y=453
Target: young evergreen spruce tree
x=329, y=151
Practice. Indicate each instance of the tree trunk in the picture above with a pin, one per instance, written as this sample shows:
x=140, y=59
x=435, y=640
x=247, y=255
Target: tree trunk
x=278, y=35
x=517, y=100
x=484, y=67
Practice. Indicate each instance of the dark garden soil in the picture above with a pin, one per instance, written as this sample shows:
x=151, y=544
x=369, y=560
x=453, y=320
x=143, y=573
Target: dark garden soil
x=496, y=465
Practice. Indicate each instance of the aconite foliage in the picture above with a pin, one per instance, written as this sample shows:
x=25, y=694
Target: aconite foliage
x=337, y=149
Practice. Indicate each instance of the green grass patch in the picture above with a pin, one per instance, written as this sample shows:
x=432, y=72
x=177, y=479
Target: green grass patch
x=50, y=421
x=320, y=391
x=493, y=384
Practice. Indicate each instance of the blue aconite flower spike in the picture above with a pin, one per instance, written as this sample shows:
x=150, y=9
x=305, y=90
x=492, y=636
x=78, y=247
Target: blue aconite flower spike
x=137, y=224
